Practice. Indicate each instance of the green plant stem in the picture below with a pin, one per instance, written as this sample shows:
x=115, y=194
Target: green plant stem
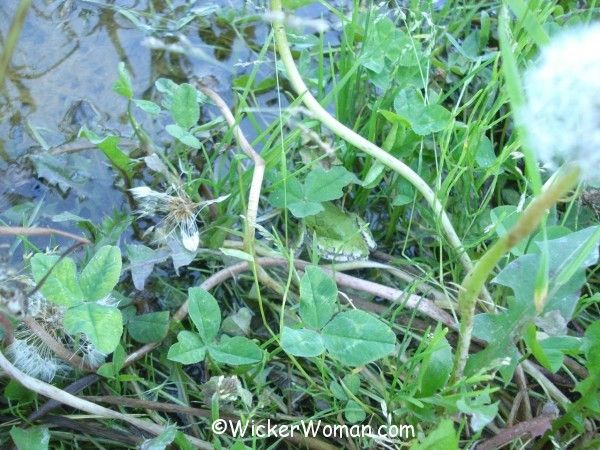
x=476, y=278
x=12, y=38
x=357, y=140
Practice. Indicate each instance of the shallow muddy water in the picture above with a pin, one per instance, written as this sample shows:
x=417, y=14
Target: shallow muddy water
x=61, y=79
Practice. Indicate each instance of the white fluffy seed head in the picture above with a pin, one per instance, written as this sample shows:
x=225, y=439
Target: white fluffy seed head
x=32, y=356
x=562, y=111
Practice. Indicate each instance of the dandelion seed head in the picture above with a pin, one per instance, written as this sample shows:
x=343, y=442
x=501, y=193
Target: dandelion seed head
x=562, y=110
x=32, y=356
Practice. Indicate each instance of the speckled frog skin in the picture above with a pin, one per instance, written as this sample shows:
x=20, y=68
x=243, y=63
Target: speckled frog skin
x=338, y=235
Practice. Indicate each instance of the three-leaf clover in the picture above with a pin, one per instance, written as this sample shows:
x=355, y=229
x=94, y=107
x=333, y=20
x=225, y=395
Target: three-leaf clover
x=192, y=347
x=85, y=296
x=320, y=185
x=353, y=337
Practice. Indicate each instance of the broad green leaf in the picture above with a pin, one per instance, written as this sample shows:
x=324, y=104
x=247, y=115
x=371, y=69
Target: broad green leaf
x=357, y=338
x=183, y=136
x=502, y=330
x=550, y=351
x=338, y=391
x=437, y=364
x=185, y=109
x=66, y=171
x=354, y=413
x=101, y=274
x=302, y=342
x=323, y=185
x=141, y=262
x=389, y=53
x=111, y=369
x=61, y=287
x=123, y=84
x=292, y=196
x=480, y=410
x=205, y=313
x=318, y=297
x=579, y=250
x=151, y=327
x=443, y=437
x=110, y=147
x=147, y=106
x=424, y=119
x=189, y=348
x=236, y=351
x=101, y=324
x=237, y=323
x=484, y=153
x=235, y=253
x=352, y=382
x=30, y=438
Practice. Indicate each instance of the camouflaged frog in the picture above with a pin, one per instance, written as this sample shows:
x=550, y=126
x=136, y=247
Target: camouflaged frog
x=339, y=236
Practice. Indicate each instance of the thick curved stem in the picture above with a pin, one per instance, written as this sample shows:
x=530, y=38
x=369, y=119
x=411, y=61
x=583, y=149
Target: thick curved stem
x=476, y=278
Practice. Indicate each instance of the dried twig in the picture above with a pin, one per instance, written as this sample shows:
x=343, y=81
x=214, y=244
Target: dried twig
x=534, y=427
x=37, y=231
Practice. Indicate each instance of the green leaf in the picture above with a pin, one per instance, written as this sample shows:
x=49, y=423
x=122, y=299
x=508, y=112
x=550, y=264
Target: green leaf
x=147, y=106
x=236, y=351
x=352, y=383
x=357, y=338
x=323, y=185
x=31, y=438
x=318, y=297
x=61, y=286
x=443, y=437
x=479, y=409
x=185, y=109
x=302, y=342
x=141, y=262
x=437, y=364
x=161, y=441
x=204, y=312
x=354, y=413
x=291, y=195
x=151, y=327
x=183, y=136
x=101, y=324
x=101, y=274
x=110, y=147
x=235, y=253
x=123, y=84
x=189, y=348
x=424, y=119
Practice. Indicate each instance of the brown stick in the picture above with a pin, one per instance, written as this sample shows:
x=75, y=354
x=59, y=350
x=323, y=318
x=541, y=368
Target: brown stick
x=534, y=427
x=37, y=231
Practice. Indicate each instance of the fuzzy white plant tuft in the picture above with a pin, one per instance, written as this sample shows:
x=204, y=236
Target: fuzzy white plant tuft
x=32, y=356
x=176, y=211
x=562, y=111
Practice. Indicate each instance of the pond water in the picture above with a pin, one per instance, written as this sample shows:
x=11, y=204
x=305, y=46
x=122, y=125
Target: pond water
x=61, y=79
